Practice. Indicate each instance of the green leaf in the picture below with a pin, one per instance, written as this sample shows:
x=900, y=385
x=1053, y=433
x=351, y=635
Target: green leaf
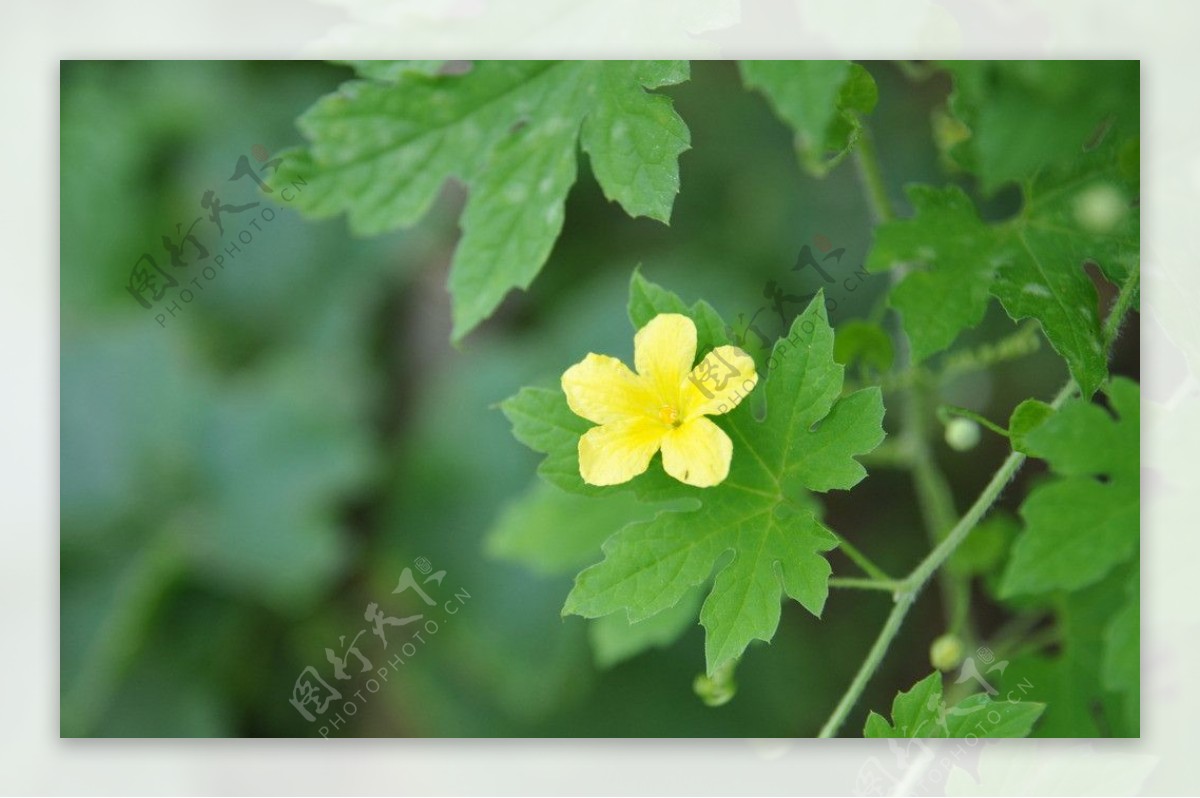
x=1033, y=263
x=647, y=300
x=1026, y=417
x=634, y=139
x=951, y=293
x=614, y=639
x=922, y=712
x=864, y=343
x=985, y=548
x=554, y=532
x=822, y=101
x=1080, y=526
x=1121, y=668
x=910, y=711
x=1071, y=681
x=380, y=151
x=1022, y=116
x=761, y=514
x=542, y=421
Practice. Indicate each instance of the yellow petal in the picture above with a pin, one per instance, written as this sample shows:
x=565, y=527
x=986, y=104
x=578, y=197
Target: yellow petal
x=697, y=453
x=614, y=453
x=663, y=353
x=602, y=389
x=718, y=383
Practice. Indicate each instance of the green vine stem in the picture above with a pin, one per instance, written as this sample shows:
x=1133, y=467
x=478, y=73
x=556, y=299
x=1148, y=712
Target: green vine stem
x=861, y=560
x=1008, y=636
x=890, y=585
x=946, y=411
x=933, y=492
x=912, y=584
x=936, y=501
x=1025, y=341
x=1124, y=301
x=872, y=177
x=933, y=489
x=1022, y=343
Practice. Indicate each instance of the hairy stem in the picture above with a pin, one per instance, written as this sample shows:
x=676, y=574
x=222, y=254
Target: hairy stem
x=890, y=627
x=872, y=178
x=1025, y=341
x=890, y=585
x=1006, y=638
x=990, y=493
x=933, y=490
x=936, y=501
x=1112, y=325
x=953, y=410
x=915, y=581
x=1037, y=641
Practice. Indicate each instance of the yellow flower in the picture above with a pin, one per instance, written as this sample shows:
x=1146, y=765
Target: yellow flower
x=662, y=406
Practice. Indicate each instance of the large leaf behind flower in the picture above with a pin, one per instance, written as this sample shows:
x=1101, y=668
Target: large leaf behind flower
x=761, y=514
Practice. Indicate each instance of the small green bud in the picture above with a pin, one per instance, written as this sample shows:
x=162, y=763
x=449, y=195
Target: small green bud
x=718, y=689
x=962, y=434
x=946, y=652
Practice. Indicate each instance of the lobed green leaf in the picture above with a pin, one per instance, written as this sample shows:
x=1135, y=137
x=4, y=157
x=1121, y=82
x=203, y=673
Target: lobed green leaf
x=380, y=150
x=1080, y=526
x=1033, y=263
x=756, y=529
x=922, y=712
x=823, y=101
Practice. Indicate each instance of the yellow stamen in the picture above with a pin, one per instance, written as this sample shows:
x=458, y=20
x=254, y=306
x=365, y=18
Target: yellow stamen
x=669, y=415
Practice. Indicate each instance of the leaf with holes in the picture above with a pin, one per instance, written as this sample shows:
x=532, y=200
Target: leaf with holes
x=1033, y=263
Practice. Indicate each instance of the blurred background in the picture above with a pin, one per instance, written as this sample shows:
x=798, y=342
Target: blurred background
x=244, y=472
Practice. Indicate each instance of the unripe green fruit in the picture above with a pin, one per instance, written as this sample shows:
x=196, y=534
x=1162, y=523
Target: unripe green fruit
x=946, y=652
x=718, y=689
x=962, y=434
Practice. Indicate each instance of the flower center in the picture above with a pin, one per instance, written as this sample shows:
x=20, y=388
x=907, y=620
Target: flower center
x=669, y=415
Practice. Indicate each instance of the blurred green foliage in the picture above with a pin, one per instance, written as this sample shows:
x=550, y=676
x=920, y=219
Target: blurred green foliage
x=240, y=481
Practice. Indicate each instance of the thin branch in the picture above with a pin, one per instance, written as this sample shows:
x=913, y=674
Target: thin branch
x=861, y=560
x=872, y=177
x=915, y=581
x=1112, y=325
x=889, y=585
x=954, y=410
